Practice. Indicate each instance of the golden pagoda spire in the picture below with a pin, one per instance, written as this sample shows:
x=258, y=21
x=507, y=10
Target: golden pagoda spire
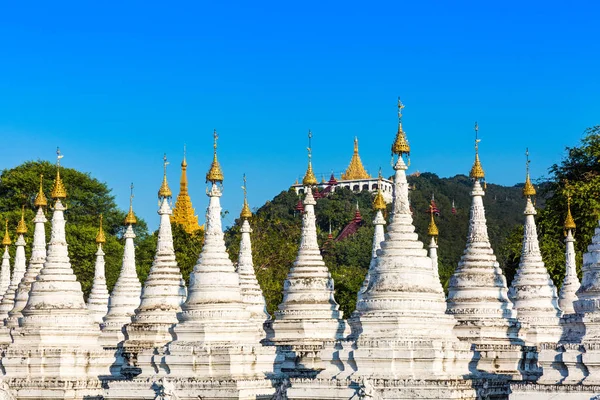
x=215, y=174
x=569, y=221
x=164, y=190
x=355, y=170
x=21, y=226
x=6, y=241
x=246, y=213
x=400, y=146
x=183, y=212
x=40, y=199
x=100, y=238
x=476, y=169
x=309, y=178
x=528, y=189
x=379, y=202
x=130, y=218
x=433, y=229
x=58, y=191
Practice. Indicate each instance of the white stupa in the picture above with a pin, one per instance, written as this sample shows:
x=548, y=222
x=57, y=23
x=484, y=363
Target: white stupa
x=19, y=267
x=406, y=333
x=568, y=291
x=56, y=353
x=98, y=299
x=5, y=268
x=156, y=315
x=36, y=261
x=433, y=233
x=125, y=297
x=252, y=294
x=532, y=291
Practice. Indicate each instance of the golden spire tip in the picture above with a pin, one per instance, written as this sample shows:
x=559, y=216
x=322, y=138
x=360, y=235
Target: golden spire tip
x=100, y=238
x=569, y=221
x=6, y=241
x=400, y=146
x=246, y=213
x=215, y=174
x=309, y=178
x=21, y=226
x=164, y=190
x=130, y=219
x=477, y=170
x=58, y=191
x=40, y=199
x=433, y=229
x=528, y=189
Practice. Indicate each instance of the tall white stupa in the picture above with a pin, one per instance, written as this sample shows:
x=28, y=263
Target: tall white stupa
x=98, y=299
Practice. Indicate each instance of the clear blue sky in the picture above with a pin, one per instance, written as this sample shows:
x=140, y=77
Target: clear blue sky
x=117, y=85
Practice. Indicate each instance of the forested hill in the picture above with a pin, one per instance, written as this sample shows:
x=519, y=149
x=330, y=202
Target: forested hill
x=276, y=230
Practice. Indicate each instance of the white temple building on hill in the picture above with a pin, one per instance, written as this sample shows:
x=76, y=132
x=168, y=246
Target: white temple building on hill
x=215, y=339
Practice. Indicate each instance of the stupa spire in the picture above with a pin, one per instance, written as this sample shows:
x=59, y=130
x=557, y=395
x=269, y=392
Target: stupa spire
x=309, y=178
x=58, y=191
x=164, y=190
x=477, y=293
x=400, y=146
x=298, y=320
x=125, y=297
x=252, y=294
x=433, y=233
x=215, y=323
x=532, y=291
x=36, y=261
x=183, y=212
x=355, y=170
x=567, y=295
x=19, y=267
x=98, y=299
x=164, y=289
x=215, y=174
x=403, y=299
x=40, y=198
x=5, y=272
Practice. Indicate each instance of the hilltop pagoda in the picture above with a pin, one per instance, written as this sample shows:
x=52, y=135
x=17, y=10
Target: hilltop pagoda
x=183, y=213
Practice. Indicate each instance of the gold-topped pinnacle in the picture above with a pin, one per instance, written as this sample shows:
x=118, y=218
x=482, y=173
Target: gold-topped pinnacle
x=58, y=191
x=433, y=229
x=6, y=241
x=40, y=199
x=183, y=213
x=21, y=226
x=355, y=170
x=309, y=178
x=184, y=162
x=164, y=190
x=476, y=169
x=528, y=189
x=130, y=219
x=246, y=213
x=569, y=221
x=400, y=146
x=215, y=174
x=100, y=238
x=379, y=202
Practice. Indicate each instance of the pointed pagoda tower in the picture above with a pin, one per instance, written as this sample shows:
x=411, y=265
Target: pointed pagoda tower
x=379, y=206
x=125, y=297
x=98, y=299
x=36, y=262
x=308, y=314
x=477, y=293
x=355, y=170
x=5, y=272
x=153, y=322
x=19, y=267
x=405, y=332
x=433, y=233
x=58, y=335
x=532, y=291
x=252, y=294
x=216, y=339
x=567, y=295
x=183, y=213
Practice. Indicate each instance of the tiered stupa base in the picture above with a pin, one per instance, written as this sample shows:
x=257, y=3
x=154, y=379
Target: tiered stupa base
x=55, y=389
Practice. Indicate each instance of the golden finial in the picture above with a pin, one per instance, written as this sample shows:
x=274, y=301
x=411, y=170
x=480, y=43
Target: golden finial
x=309, y=177
x=400, y=145
x=379, y=202
x=58, y=191
x=130, y=218
x=215, y=174
x=477, y=170
x=184, y=162
x=100, y=238
x=21, y=226
x=164, y=190
x=6, y=241
x=433, y=229
x=528, y=189
x=355, y=170
x=569, y=221
x=40, y=199
x=246, y=213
